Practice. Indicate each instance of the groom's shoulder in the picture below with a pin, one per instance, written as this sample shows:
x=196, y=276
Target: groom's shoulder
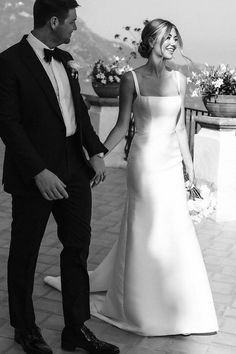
x=11, y=51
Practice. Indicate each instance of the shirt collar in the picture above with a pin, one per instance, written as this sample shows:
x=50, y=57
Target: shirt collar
x=37, y=45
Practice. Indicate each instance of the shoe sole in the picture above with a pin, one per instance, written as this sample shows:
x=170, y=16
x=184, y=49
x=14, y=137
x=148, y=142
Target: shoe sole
x=71, y=348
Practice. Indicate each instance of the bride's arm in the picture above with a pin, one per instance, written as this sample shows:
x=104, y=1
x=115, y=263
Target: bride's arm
x=125, y=109
x=182, y=133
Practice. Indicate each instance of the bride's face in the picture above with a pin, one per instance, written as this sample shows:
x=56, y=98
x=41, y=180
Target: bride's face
x=168, y=47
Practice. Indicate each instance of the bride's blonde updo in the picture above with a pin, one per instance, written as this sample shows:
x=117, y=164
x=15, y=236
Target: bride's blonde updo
x=156, y=29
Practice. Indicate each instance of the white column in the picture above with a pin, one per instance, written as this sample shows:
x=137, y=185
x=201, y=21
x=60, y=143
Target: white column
x=215, y=161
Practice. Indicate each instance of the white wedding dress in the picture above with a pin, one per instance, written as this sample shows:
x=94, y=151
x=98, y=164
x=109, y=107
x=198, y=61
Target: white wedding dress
x=154, y=282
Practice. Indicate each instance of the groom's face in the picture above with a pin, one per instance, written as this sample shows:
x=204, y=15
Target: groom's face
x=64, y=29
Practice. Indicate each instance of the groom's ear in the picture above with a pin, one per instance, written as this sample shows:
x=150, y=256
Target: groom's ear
x=54, y=22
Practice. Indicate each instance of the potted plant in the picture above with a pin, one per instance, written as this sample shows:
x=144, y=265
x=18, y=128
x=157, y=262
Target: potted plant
x=217, y=86
x=106, y=77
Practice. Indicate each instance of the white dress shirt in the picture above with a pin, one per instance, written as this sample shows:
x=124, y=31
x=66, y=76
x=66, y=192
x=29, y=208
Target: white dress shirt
x=60, y=82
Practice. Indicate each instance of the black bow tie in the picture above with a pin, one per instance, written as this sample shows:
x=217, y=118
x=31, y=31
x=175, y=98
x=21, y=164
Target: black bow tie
x=49, y=54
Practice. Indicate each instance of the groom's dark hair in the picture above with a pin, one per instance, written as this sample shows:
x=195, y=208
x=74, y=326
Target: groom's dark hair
x=45, y=9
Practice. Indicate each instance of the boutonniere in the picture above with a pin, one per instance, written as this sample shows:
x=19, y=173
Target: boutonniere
x=74, y=68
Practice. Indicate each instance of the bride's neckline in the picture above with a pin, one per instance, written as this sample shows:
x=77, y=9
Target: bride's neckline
x=144, y=96
x=151, y=96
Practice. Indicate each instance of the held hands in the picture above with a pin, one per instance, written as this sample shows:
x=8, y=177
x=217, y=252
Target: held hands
x=98, y=165
x=50, y=186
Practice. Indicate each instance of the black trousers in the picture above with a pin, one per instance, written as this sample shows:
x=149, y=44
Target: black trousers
x=30, y=216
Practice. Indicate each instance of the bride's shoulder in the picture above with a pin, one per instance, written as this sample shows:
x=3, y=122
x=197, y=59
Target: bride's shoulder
x=127, y=78
x=127, y=81
x=181, y=76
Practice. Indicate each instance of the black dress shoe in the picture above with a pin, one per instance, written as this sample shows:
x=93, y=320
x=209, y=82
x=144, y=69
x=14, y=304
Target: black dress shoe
x=85, y=339
x=32, y=341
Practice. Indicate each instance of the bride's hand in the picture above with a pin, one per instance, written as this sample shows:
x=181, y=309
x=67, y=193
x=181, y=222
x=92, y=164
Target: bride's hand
x=191, y=176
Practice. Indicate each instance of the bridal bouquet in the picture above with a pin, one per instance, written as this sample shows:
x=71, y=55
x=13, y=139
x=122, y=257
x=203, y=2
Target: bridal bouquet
x=201, y=202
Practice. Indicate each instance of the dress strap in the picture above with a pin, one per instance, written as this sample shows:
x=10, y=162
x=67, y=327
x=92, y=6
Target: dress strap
x=136, y=83
x=178, y=81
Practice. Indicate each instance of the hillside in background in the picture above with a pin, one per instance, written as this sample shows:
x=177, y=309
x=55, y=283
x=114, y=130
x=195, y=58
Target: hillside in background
x=86, y=46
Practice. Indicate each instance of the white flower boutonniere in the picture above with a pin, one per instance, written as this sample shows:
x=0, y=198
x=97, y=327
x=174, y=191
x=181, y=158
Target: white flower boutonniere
x=74, y=68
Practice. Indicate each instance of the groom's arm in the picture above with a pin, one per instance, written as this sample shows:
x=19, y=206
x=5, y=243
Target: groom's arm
x=12, y=132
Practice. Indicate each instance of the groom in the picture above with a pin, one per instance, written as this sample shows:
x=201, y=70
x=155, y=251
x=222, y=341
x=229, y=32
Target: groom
x=45, y=125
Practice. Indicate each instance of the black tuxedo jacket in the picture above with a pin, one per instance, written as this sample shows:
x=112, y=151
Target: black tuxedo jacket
x=31, y=123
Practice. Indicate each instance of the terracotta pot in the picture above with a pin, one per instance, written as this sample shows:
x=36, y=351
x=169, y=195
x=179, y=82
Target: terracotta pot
x=110, y=90
x=221, y=105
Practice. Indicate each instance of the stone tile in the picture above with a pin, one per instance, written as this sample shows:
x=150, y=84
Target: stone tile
x=187, y=346
x=53, y=294
x=222, y=298
x=230, y=279
x=222, y=287
x=54, y=307
x=221, y=349
x=15, y=349
x=225, y=338
x=54, y=322
x=154, y=343
x=4, y=312
x=229, y=325
x=140, y=350
x=230, y=312
x=229, y=270
x=219, y=250
x=116, y=335
x=5, y=345
x=6, y=331
x=229, y=261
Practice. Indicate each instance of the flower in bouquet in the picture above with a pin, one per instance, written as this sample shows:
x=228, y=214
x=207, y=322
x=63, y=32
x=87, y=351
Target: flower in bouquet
x=201, y=202
x=214, y=80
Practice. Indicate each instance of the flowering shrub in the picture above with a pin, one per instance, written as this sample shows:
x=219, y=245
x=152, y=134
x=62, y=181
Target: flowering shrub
x=112, y=72
x=109, y=73
x=220, y=80
x=130, y=39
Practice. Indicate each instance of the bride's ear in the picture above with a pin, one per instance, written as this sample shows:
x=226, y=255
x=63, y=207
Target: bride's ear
x=151, y=42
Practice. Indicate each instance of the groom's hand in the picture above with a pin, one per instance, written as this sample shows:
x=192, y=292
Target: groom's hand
x=50, y=186
x=98, y=165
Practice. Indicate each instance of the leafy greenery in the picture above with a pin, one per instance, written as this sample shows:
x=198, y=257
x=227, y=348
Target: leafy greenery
x=220, y=80
x=119, y=64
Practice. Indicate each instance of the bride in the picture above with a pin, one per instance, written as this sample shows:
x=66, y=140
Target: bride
x=154, y=282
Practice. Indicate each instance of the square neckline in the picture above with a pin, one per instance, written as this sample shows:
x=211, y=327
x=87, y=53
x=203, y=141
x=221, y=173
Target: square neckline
x=136, y=84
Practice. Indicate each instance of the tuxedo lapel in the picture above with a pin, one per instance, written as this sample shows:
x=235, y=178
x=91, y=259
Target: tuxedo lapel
x=35, y=67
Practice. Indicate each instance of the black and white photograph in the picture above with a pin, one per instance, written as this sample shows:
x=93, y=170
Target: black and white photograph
x=118, y=177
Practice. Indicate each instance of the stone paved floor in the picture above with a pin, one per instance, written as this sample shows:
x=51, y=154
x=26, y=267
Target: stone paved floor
x=218, y=243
